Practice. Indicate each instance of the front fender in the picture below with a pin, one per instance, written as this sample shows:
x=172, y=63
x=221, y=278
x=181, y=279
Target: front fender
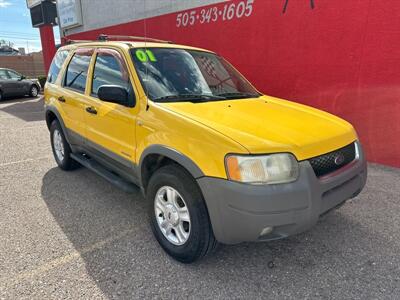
x=199, y=148
x=174, y=155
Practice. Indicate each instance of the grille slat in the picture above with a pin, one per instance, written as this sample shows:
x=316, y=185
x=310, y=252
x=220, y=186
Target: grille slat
x=332, y=161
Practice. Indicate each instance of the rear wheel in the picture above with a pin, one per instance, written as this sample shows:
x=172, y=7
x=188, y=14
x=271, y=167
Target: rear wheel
x=61, y=149
x=178, y=214
x=1, y=95
x=34, y=91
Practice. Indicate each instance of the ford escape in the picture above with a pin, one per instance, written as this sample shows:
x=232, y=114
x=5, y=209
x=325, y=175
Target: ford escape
x=216, y=160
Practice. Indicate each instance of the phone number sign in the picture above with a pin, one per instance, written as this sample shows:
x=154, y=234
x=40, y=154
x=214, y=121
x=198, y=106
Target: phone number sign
x=214, y=14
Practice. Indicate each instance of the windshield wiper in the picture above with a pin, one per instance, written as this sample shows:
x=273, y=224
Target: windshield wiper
x=238, y=95
x=188, y=97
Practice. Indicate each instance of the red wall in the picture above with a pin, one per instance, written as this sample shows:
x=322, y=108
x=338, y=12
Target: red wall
x=341, y=56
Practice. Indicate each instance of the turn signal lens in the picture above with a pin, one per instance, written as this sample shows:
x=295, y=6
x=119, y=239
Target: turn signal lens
x=232, y=166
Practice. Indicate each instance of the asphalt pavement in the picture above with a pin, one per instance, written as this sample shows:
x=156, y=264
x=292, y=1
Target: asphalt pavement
x=72, y=235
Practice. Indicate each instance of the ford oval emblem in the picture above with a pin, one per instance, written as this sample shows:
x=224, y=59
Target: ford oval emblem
x=339, y=159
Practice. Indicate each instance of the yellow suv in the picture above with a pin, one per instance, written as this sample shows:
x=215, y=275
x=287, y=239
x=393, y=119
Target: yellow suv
x=216, y=160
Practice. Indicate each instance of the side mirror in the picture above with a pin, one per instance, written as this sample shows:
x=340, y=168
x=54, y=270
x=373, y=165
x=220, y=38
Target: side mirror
x=22, y=77
x=113, y=94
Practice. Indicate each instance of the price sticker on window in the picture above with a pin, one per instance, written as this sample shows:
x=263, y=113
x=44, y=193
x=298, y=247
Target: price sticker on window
x=145, y=55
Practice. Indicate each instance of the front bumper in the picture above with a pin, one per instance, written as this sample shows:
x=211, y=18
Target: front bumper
x=239, y=212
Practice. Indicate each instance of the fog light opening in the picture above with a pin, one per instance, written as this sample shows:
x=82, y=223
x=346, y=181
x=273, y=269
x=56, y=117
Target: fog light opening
x=266, y=230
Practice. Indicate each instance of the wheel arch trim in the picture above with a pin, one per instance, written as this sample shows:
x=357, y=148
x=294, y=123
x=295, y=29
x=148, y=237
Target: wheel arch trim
x=172, y=154
x=51, y=109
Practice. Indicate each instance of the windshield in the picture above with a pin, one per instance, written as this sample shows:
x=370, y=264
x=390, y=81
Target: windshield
x=171, y=75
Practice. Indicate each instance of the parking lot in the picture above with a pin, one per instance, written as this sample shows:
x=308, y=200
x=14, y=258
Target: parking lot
x=74, y=235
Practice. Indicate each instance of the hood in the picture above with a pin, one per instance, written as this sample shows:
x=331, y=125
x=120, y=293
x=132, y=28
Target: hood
x=267, y=125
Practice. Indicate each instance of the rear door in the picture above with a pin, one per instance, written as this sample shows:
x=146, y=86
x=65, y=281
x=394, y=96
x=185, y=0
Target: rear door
x=72, y=99
x=111, y=126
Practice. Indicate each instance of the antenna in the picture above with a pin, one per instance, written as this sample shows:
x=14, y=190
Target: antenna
x=145, y=47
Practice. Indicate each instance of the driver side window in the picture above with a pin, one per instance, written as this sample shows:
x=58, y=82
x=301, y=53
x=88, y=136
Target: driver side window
x=110, y=69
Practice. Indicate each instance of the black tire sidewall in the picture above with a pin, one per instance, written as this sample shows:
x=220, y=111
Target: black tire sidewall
x=182, y=181
x=65, y=164
x=31, y=91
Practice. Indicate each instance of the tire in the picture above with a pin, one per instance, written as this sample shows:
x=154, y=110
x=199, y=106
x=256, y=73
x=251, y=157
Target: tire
x=34, y=91
x=61, y=149
x=1, y=96
x=198, y=237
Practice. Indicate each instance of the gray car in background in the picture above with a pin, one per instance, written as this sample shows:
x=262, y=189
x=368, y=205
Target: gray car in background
x=13, y=84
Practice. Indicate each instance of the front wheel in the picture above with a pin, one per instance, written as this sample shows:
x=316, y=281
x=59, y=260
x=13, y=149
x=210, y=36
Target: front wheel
x=34, y=91
x=178, y=214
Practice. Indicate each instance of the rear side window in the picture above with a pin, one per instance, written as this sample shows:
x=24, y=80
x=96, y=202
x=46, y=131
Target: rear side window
x=110, y=68
x=76, y=75
x=56, y=64
x=3, y=74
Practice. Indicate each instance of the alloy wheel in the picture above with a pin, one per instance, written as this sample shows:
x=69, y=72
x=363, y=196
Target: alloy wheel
x=172, y=215
x=34, y=91
x=58, y=145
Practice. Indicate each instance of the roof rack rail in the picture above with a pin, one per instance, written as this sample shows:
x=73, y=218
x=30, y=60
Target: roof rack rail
x=69, y=42
x=106, y=37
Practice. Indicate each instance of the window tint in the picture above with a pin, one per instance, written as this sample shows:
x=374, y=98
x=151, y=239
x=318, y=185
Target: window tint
x=56, y=64
x=3, y=74
x=110, y=68
x=76, y=74
x=14, y=75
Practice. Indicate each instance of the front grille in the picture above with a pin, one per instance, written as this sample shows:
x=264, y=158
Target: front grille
x=332, y=161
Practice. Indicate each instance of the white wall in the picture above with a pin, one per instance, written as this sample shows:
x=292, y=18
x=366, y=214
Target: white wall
x=102, y=13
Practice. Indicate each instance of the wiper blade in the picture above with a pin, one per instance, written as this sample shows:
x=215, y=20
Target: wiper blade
x=192, y=97
x=239, y=95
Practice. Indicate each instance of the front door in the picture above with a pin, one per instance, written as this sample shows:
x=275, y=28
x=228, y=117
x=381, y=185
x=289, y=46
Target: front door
x=17, y=84
x=110, y=127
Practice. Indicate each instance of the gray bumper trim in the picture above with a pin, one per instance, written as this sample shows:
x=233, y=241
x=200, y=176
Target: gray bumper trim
x=239, y=212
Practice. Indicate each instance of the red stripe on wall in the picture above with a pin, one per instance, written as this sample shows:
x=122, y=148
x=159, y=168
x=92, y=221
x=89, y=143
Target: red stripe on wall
x=340, y=56
x=48, y=45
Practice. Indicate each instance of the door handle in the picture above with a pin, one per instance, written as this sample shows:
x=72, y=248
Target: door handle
x=91, y=110
x=61, y=99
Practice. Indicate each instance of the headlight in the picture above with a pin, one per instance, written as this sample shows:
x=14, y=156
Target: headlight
x=262, y=169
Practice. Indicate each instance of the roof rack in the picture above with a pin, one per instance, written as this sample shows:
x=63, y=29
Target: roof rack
x=69, y=42
x=105, y=37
